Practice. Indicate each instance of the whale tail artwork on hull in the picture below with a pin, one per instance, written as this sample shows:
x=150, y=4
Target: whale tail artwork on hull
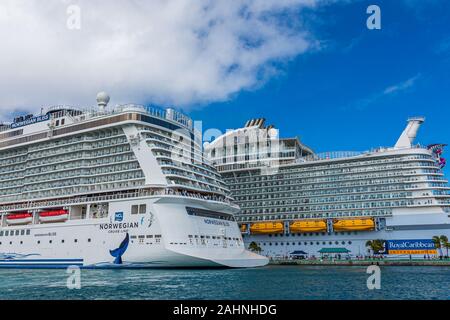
x=118, y=253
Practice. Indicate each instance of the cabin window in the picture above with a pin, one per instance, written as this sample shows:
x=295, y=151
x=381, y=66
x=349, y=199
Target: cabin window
x=76, y=240
x=1, y=233
x=17, y=232
x=142, y=208
x=50, y=241
x=22, y=232
x=134, y=209
x=62, y=241
x=6, y=233
x=39, y=241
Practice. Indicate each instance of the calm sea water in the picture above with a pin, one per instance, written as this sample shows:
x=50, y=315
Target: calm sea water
x=272, y=282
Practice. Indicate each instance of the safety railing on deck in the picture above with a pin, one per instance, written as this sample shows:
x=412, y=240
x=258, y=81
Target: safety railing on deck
x=30, y=205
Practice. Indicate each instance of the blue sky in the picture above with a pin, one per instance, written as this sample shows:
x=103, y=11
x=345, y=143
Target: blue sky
x=358, y=89
x=310, y=67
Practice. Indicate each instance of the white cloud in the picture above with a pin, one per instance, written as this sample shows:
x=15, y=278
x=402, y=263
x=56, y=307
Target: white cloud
x=389, y=91
x=180, y=52
x=402, y=85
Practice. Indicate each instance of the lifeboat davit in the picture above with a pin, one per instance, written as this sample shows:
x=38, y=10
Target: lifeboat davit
x=19, y=218
x=308, y=226
x=266, y=227
x=354, y=224
x=53, y=216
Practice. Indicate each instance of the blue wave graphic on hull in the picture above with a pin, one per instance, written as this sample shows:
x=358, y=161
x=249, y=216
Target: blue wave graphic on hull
x=118, y=253
x=14, y=256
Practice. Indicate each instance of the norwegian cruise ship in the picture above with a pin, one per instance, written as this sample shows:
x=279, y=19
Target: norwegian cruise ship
x=114, y=187
x=294, y=201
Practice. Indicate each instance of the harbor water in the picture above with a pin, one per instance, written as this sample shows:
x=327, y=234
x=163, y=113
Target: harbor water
x=271, y=282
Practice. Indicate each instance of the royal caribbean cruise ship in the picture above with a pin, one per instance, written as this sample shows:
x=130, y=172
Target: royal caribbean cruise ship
x=294, y=201
x=114, y=187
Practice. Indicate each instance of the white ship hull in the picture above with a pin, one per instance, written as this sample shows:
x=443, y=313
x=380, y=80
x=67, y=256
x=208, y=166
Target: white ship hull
x=404, y=226
x=164, y=236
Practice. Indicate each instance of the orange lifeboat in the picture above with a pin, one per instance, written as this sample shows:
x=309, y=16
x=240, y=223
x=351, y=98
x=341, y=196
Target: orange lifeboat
x=267, y=227
x=306, y=226
x=359, y=224
x=19, y=218
x=53, y=216
x=243, y=228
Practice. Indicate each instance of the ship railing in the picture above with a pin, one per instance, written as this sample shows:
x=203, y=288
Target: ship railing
x=155, y=112
x=103, y=198
x=331, y=155
x=347, y=154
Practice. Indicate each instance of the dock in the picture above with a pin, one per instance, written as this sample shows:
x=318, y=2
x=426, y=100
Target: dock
x=381, y=262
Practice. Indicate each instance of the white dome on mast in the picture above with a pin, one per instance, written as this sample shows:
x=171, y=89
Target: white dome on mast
x=102, y=100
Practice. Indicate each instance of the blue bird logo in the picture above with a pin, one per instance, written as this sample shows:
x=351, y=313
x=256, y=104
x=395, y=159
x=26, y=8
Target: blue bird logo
x=118, y=253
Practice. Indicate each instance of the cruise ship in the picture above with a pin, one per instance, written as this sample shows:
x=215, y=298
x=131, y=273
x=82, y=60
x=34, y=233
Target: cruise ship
x=297, y=203
x=113, y=187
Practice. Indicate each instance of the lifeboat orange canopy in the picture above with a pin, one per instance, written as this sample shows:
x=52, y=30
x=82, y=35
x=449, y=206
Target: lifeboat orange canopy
x=267, y=227
x=361, y=224
x=305, y=226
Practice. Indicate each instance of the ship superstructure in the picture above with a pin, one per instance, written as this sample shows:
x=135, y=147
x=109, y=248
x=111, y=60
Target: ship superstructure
x=113, y=187
x=296, y=201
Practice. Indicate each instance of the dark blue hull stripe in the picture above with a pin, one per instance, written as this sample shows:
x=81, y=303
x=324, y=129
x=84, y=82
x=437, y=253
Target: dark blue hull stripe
x=38, y=266
x=41, y=260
